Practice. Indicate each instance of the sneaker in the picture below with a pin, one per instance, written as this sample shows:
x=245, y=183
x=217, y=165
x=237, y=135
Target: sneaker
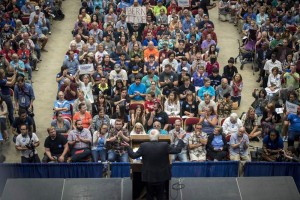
x=285, y=138
x=36, y=69
x=49, y=32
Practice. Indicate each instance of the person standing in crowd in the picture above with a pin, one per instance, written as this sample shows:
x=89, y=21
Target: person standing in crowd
x=26, y=143
x=239, y=143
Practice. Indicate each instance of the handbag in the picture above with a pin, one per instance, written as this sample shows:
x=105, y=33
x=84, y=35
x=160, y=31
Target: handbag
x=235, y=105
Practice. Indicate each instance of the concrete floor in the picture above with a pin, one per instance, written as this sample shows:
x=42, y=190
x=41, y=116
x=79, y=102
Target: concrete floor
x=45, y=86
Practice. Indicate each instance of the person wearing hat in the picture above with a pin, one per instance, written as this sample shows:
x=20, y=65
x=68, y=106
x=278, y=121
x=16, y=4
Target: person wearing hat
x=118, y=74
x=135, y=71
x=44, y=23
x=137, y=90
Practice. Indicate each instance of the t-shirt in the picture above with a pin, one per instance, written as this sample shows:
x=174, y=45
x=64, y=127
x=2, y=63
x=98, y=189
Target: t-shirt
x=22, y=141
x=133, y=88
x=85, y=121
x=18, y=122
x=162, y=117
x=273, y=145
x=171, y=76
x=4, y=88
x=294, y=122
x=291, y=81
x=183, y=90
x=56, y=146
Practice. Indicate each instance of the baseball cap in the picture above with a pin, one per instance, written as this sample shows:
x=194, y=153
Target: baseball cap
x=159, y=1
x=208, y=26
x=37, y=8
x=117, y=67
x=135, y=69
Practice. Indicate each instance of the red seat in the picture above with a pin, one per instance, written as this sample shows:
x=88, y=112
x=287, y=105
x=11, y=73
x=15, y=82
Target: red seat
x=191, y=121
x=133, y=106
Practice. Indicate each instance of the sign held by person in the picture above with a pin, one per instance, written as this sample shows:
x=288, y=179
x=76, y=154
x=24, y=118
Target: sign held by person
x=183, y=3
x=136, y=14
x=291, y=107
x=86, y=68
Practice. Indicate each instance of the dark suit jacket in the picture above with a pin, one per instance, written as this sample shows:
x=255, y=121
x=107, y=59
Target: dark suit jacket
x=155, y=157
x=260, y=55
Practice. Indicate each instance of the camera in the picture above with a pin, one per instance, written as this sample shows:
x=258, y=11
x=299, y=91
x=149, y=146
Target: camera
x=30, y=145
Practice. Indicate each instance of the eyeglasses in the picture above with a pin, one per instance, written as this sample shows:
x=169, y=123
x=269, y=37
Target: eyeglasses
x=156, y=126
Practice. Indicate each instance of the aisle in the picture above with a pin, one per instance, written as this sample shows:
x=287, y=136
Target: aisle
x=227, y=40
x=45, y=86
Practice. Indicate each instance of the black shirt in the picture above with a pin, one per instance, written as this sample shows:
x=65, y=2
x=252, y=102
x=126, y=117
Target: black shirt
x=192, y=108
x=183, y=90
x=56, y=146
x=215, y=80
x=162, y=117
x=18, y=122
x=229, y=72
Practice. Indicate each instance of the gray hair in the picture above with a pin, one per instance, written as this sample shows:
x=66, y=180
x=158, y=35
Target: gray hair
x=233, y=116
x=154, y=135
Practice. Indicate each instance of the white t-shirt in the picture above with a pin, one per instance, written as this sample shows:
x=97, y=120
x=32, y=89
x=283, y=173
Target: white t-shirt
x=22, y=141
x=87, y=90
x=122, y=75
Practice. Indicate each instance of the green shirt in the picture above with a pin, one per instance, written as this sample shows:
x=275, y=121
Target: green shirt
x=291, y=81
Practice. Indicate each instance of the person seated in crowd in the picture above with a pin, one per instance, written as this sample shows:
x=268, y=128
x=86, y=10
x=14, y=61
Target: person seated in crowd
x=155, y=90
x=204, y=105
x=270, y=117
x=23, y=118
x=62, y=105
x=172, y=105
x=293, y=123
x=217, y=145
x=216, y=79
x=138, y=116
x=101, y=102
x=274, y=83
x=99, y=120
x=291, y=77
x=26, y=143
x=151, y=51
x=225, y=106
x=289, y=155
x=231, y=124
x=69, y=90
x=56, y=147
x=80, y=100
x=157, y=115
x=222, y=89
x=189, y=106
x=149, y=103
x=182, y=156
x=250, y=123
x=138, y=129
x=121, y=114
x=198, y=78
x=137, y=90
x=209, y=120
x=197, y=144
x=239, y=143
x=79, y=139
x=272, y=145
x=98, y=143
x=84, y=116
x=260, y=101
x=230, y=70
x=61, y=125
x=116, y=136
x=168, y=80
x=206, y=89
x=185, y=88
x=157, y=126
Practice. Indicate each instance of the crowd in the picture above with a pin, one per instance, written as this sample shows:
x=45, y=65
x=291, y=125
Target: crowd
x=163, y=74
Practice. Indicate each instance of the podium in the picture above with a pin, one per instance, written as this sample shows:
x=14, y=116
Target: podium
x=136, y=164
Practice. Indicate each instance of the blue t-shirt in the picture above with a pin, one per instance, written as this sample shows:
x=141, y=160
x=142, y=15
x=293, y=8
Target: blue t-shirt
x=294, y=122
x=217, y=142
x=273, y=145
x=133, y=88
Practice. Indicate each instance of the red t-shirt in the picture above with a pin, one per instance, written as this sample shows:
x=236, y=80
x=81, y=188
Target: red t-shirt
x=8, y=54
x=24, y=55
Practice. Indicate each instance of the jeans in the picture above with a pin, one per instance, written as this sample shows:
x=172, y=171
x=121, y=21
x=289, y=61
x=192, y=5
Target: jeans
x=37, y=49
x=97, y=153
x=29, y=70
x=79, y=157
x=181, y=156
x=292, y=135
x=10, y=108
x=48, y=24
x=113, y=156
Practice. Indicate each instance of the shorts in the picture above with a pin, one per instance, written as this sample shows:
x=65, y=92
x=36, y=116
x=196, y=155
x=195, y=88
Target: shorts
x=200, y=157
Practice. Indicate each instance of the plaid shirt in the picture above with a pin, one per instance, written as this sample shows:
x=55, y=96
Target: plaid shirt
x=116, y=145
x=194, y=139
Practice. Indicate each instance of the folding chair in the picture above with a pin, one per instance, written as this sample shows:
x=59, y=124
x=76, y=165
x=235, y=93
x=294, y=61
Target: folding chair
x=191, y=121
x=172, y=121
x=133, y=106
